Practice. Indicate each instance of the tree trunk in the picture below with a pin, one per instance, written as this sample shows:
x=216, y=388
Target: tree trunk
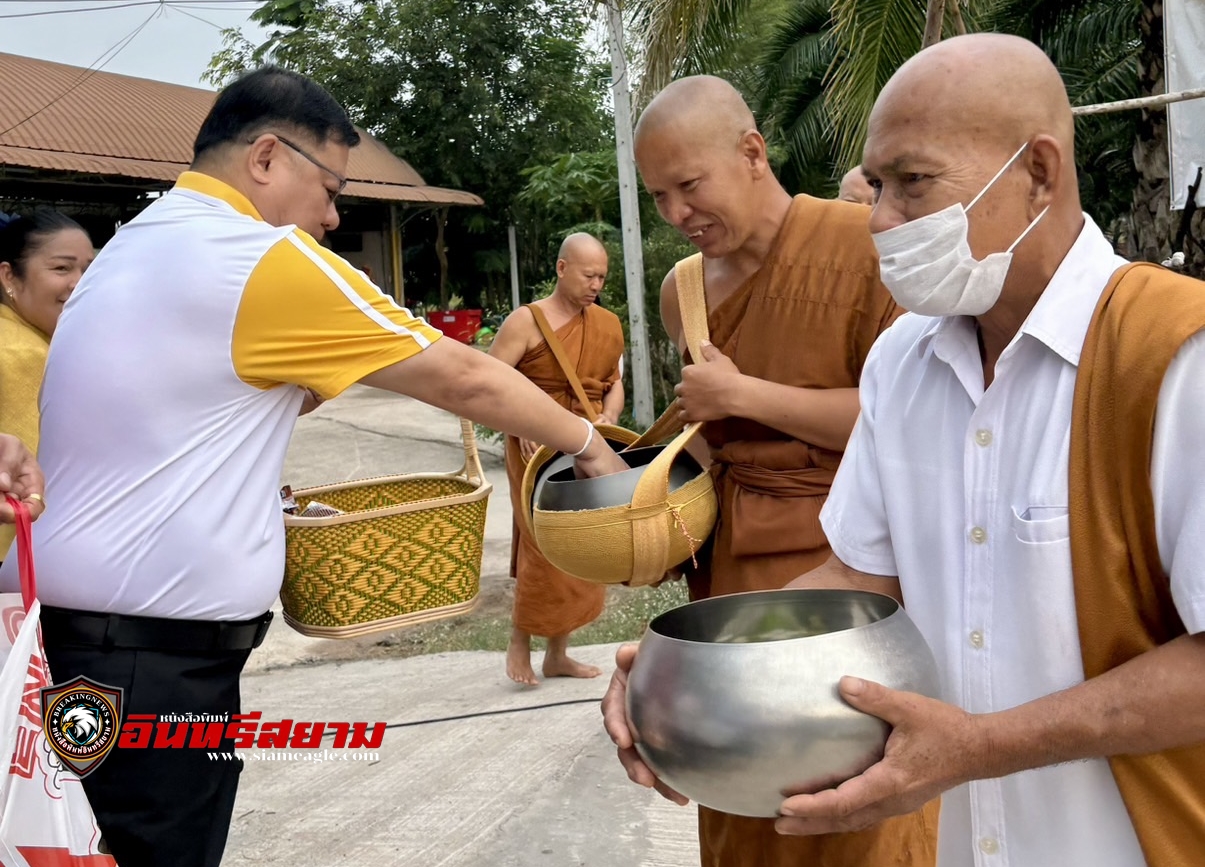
x=935, y=14
x=1152, y=219
x=441, y=219
x=1155, y=225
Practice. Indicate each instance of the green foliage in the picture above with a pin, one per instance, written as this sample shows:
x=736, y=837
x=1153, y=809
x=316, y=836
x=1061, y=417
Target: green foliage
x=689, y=37
x=791, y=108
x=574, y=187
x=469, y=92
x=873, y=37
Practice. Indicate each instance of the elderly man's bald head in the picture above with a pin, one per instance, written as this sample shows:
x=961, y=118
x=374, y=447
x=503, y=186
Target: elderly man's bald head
x=952, y=117
x=701, y=106
x=995, y=88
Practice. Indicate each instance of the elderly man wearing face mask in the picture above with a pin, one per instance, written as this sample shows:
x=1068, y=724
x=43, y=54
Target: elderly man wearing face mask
x=1026, y=471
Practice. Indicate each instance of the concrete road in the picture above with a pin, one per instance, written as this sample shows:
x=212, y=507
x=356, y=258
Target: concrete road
x=473, y=769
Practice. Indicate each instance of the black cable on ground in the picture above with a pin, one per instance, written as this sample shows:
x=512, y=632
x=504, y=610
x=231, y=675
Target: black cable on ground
x=499, y=712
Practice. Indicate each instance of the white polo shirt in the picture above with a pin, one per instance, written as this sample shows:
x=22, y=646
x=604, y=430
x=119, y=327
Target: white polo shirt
x=962, y=493
x=170, y=394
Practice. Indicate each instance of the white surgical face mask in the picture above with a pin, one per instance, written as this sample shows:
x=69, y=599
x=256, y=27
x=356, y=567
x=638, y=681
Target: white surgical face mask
x=927, y=266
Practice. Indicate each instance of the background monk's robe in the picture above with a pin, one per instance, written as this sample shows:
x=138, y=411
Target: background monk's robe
x=807, y=318
x=549, y=602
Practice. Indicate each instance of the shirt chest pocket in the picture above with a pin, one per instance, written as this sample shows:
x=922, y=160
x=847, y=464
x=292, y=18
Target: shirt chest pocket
x=1038, y=525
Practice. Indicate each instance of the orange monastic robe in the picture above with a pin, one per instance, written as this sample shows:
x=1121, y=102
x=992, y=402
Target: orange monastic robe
x=1123, y=596
x=807, y=318
x=548, y=601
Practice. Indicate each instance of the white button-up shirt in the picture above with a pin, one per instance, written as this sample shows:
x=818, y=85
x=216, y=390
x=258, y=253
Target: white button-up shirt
x=962, y=493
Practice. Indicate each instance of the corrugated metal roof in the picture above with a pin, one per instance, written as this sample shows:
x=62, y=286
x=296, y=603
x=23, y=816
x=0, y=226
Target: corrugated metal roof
x=71, y=119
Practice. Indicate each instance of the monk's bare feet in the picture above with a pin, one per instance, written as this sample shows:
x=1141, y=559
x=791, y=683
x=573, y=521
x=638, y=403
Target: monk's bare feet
x=558, y=664
x=566, y=667
x=518, y=659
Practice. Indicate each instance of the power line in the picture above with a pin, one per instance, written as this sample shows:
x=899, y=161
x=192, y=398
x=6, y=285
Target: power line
x=182, y=11
x=201, y=4
x=90, y=71
x=82, y=9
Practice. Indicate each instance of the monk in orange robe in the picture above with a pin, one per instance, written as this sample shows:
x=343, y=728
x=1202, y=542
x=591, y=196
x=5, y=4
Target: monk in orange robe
x=794, y=304
x=549, y=602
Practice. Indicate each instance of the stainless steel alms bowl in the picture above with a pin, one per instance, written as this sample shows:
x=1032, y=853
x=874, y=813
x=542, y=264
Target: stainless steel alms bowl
x=733, y=700
x=558, y=490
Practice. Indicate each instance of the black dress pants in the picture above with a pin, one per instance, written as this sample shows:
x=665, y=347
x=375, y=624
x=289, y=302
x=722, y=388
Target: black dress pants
x=166, y=807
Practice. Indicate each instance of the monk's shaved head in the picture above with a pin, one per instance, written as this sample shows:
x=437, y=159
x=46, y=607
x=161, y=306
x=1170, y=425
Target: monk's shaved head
x=704, y=163
x=702, y=106
x=581, y=269
x=855, y=188
x=581, y=245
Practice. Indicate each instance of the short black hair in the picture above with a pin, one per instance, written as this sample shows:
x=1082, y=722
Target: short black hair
x=22, y=236
x=271, y=96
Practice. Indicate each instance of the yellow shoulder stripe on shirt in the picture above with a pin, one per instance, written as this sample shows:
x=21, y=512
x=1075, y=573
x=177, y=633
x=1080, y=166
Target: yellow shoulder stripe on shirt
x=309, y=318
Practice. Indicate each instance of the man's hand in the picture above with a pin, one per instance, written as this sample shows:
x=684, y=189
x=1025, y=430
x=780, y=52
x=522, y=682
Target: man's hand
x=599, y=459
x=311, y=401
x=615, y=721
x=933, y=747
x=527, y=449
x=709, y=387
x=20, y=476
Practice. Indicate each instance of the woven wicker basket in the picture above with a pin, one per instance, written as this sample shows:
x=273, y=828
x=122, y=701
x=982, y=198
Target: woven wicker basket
x=408, y=551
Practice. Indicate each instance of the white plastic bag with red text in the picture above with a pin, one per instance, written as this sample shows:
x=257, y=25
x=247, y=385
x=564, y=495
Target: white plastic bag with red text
x=45, y=818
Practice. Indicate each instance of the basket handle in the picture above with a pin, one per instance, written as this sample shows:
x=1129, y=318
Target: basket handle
x=472, y=459
x=24, y=546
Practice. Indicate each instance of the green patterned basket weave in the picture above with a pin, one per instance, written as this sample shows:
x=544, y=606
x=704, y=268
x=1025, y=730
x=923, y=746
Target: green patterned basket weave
x=407, y=551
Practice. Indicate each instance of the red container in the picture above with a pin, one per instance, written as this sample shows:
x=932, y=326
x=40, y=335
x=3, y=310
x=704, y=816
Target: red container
x=460, y=325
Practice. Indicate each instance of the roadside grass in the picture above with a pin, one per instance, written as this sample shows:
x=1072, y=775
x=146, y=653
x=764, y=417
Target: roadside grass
x=626, y=615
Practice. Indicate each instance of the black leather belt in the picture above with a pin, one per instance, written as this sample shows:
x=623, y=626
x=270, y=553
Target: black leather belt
x=65, y=626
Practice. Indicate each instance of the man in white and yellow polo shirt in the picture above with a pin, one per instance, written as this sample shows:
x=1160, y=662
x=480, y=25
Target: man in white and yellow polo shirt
x=171, y=390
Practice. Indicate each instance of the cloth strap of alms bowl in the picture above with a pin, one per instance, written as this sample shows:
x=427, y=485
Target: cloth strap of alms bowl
x=650, y=533
x=558, y=352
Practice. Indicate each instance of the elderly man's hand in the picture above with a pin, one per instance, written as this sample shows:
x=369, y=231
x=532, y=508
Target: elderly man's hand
x=933, y=747
x=20, y=476
x=709, y=386
x=615, y=720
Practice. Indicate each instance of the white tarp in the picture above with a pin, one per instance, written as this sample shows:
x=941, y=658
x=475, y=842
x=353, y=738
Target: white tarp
x=1184, y=44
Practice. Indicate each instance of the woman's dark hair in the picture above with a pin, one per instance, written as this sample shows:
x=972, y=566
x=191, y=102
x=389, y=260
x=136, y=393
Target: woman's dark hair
x=271, y=96
x=22, y=236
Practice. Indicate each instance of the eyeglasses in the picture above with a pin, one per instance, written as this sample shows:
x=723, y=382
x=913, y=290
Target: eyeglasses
x=338, y=177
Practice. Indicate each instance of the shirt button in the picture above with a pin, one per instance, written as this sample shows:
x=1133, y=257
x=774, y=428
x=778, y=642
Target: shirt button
x=976, y=639
x=983, y=437
x=989, y=846
x=978, y=535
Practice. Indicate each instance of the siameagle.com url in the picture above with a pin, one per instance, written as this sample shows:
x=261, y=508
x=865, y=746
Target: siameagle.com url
x=297, y=756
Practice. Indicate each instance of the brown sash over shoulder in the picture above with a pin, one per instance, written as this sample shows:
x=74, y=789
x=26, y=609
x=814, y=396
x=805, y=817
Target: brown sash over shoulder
x=1122, y=595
